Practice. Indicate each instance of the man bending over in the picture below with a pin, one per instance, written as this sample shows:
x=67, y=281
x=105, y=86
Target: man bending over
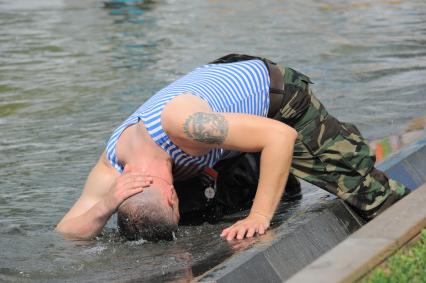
x=239, y=103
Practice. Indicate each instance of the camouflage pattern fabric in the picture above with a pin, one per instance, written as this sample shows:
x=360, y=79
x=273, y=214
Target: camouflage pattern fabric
x=330, y=154
x=333, y=155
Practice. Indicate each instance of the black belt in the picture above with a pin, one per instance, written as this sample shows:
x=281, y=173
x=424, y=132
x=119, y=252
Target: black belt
x=281, y=94
x=277, y=95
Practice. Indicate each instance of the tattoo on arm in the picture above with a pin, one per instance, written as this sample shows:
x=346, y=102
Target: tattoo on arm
x=211, y=128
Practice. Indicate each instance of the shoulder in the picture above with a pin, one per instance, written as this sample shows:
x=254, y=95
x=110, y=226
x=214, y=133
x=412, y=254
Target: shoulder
x=180, y=107
x=174, y=117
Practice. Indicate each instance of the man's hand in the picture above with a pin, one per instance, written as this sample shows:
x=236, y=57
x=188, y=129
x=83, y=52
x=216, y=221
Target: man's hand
x=104, y=191
x=127, y=184
x=255, y=223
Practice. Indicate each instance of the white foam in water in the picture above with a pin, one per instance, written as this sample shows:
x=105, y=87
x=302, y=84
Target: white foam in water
x=96, y=250
x=136, y=243
x=142, y=241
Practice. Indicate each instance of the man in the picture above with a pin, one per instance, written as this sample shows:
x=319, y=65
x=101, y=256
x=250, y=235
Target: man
x=238, y=103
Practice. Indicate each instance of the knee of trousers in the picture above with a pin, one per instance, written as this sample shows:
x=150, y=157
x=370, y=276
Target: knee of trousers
x=376, y=194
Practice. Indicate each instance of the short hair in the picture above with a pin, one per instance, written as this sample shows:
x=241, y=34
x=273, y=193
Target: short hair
x=145, y=216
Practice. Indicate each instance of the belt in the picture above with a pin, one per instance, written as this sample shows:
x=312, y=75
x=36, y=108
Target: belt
x=281, y=93
x=276, y=89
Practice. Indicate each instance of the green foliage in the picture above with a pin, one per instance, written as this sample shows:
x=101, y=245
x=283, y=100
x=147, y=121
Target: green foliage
x=407, y=265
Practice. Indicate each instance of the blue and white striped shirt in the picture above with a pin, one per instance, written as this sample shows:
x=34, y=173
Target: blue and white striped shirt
x=241, y=87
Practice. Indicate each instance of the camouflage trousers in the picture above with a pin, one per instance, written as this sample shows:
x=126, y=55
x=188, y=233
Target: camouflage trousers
x=333, y=155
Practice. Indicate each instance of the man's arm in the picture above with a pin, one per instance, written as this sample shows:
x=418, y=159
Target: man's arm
x=248, y=133
x=104, y=191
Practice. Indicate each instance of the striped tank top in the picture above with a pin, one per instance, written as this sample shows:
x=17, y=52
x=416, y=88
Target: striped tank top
x=241, y=87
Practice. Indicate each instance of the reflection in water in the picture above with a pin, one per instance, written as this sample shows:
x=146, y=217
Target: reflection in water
x=131, y=10
x=384, y=147
x=131, y=44
x=66, y=83
x=123, y=3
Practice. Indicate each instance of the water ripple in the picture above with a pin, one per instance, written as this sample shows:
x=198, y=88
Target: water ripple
x=71, y=71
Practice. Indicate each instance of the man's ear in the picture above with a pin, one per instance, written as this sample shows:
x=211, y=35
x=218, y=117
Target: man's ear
x=173, y=201
x=171, y=197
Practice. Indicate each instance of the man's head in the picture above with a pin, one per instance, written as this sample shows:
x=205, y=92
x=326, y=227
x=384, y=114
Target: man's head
x=151, y=215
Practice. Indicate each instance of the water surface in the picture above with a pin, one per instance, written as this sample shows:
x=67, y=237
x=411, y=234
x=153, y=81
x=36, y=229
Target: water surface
x=70, y=71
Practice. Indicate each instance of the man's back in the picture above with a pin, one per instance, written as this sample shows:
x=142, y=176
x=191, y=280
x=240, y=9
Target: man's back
x=241, y=87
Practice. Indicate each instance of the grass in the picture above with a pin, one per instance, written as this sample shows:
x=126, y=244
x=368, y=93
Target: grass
x=406, y=265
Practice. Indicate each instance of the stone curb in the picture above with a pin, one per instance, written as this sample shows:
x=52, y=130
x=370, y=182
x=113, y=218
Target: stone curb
x=297, y=243
x=371, y=244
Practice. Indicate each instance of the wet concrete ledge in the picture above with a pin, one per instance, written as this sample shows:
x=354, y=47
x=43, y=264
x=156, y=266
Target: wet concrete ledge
x=371, y=244
x=296, y=243
x=304, y=246
x=382, y=236
x=408, y=166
